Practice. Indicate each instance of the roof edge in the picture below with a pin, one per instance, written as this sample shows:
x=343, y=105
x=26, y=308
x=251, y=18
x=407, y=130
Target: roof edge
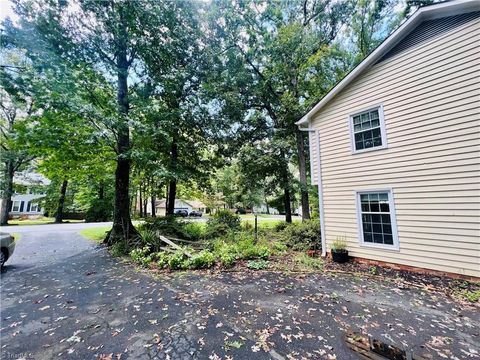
x=447, y=8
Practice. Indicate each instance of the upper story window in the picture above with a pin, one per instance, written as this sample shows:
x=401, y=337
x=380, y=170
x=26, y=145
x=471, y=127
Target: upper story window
x=367, y=130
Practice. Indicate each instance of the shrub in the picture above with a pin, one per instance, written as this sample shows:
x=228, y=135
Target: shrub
x=193, y=231
x=302, y=236
x=203, y=259
x=171, y=226
x=177, y=260
x=257, y=264
x=142, y=256
x=221, y=222
x=280, y=226
x=99, y=211
x=227, y=259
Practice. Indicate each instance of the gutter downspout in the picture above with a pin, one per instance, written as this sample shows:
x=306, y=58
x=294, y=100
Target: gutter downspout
x=320, y=189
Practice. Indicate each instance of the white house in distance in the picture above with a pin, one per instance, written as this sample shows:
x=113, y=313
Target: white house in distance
x=189, y=205
x=27, y=205
x=395, y=146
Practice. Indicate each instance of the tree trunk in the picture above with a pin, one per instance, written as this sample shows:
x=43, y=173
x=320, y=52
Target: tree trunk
x=266, y=203
x=172, y=193
x=140, y=200
x=7, y=193
x=122, y=229
x=101, y=190
x=145, y=205
x=153, y=199
x=61, y=202
x=172, y=189
x=303, y=175
x=288, y=207
x=286, y=190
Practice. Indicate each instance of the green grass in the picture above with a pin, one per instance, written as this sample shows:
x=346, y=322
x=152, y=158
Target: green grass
x=39, y=221
x=95, y=233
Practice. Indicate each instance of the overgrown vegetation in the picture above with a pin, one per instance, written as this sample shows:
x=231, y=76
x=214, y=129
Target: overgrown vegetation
x=221, y=242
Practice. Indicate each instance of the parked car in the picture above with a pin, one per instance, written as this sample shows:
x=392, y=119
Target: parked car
x=181, y=212
x=7, y=245
x=195, y=213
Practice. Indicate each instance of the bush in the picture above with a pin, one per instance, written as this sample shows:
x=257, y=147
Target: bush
x=99, y=211
x=142, y=256
x=227, y=259
x=302, y=236
x=203, y=259
x=177, y=260
x=172, y=226
x=280, y=226
x=222, y=222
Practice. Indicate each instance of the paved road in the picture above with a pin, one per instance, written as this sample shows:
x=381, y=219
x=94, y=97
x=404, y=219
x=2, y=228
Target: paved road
x=65, y=298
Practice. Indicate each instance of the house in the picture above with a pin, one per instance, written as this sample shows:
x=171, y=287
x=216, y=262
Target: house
x=26, y=204
x=189, y=205
x=395, y=146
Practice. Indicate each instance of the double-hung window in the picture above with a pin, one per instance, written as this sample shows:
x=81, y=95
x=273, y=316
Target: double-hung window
x=376, y=219
x=34, y=208
x=15, y=206
x=367, y=130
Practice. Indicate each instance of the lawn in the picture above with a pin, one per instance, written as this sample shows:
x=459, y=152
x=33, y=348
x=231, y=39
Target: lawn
x=95, y=233
x=39, y=221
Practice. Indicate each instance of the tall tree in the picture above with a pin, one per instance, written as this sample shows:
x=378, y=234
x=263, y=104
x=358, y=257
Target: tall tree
x=282, y=58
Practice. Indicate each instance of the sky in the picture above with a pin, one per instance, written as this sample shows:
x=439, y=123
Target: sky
x=6, y=10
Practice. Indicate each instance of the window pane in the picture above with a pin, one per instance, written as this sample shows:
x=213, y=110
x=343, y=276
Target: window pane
x=387, y=229
x=388, y=239
x=377, y=228
x=357, y=127
x=359, y=145
x=377, y=238
x=384, y=207
x=374, y=114
x=375, y=122
x=367, y=237
x=356, y=120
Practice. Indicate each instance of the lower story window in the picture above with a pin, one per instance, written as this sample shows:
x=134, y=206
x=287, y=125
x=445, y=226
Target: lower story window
x=34, y=208
x=376, y=218
x=15, y=206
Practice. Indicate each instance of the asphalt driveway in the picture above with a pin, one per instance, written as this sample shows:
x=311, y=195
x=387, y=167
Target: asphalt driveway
x=64, y=297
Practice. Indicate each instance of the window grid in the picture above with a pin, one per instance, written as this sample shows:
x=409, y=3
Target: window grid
x=376, y=218
x=367, y=130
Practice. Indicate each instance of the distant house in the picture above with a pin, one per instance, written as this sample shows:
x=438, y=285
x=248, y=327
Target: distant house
x=395, y=146
x=180, y=204
x=27, y=204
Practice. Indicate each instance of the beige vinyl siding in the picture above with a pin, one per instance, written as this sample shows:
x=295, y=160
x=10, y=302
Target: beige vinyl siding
x=430, y=96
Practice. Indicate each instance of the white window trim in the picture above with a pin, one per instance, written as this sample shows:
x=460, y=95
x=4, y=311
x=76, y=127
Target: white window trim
x=393, y=219
x=13, y=205
x=383, y=131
